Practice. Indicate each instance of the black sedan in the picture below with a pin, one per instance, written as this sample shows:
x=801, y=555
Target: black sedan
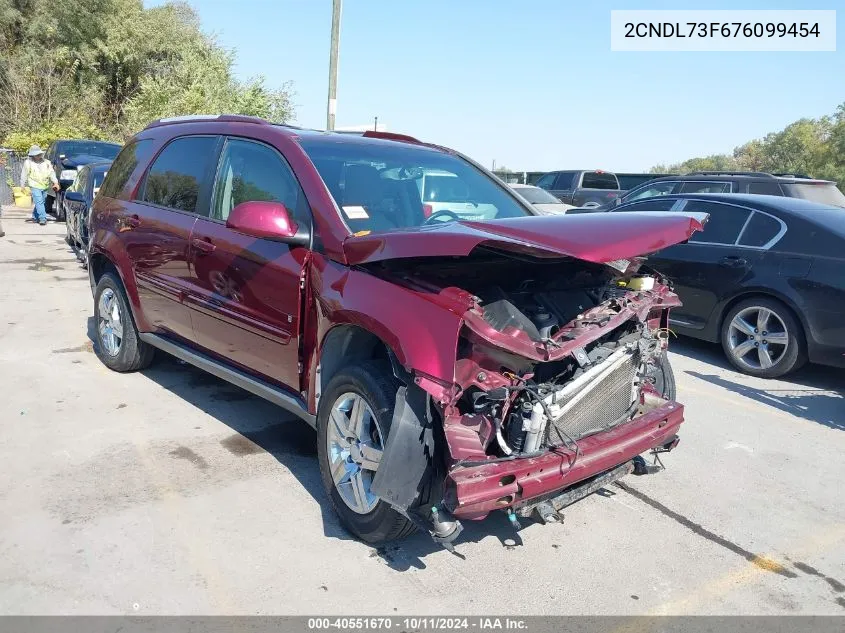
x=67, y=156
x=77, y=202
x=765, y=278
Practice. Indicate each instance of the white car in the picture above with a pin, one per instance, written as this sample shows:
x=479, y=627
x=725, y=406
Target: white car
x=445, y=193
x=541, y=199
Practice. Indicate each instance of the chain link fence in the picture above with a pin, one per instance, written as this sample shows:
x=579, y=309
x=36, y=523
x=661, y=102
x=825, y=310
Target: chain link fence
x=10, y=170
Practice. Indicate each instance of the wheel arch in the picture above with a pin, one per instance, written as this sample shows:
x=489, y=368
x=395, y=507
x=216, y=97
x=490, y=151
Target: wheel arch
x=348, y=343
x=100, y=262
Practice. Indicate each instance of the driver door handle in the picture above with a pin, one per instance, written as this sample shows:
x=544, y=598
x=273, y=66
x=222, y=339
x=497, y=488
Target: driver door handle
x=732, y=261
x=203, y=246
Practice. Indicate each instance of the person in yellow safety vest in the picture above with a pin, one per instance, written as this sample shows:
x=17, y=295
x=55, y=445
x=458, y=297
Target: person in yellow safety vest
x=38, y=174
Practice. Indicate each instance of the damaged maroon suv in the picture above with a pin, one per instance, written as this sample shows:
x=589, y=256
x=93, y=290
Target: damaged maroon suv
x=456, y=353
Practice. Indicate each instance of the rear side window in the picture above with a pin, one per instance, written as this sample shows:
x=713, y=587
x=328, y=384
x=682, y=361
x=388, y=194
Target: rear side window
x=765, y=188
x=823, y=193
x=599, y=180
x=724, y=225
x=650, y=204
x=656, y=189
x=547, y=181
x=81, y=181
x=180, y=172
x=706, y=187
x=760, y=230
x=133, y=154
x=630, y=181
x=566, y=180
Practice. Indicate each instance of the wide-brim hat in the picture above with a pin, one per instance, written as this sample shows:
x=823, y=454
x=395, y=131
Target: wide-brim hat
x=35, y=151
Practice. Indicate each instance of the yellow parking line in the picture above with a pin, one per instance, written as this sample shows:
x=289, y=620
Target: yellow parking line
x=750, y=572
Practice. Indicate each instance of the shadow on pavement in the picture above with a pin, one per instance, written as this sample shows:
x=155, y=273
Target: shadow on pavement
x=261, y=426
x=815, y=376
x=824, y=407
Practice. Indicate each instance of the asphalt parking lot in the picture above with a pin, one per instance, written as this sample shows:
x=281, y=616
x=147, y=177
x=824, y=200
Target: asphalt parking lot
x=171, y=492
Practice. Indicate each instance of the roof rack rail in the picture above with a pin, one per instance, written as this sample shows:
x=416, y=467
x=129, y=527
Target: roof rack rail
x=224, y=118
x=792, y=175
x=720, y=172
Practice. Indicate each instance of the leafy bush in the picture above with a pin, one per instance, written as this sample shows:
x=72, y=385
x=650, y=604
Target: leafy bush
x=808, y=146
x=103, y=69
x=20, y=142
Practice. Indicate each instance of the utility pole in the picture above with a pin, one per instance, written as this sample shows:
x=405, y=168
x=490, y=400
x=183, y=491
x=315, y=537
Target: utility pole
x=332, y=105
x=375, y=125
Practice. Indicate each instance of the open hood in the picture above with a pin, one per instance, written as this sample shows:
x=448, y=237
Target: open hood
x=596, y=237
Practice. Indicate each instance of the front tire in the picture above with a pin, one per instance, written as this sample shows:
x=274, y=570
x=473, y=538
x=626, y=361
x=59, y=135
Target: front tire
x=761, y=337
x=118, y=345
x=353, y=423
x=60, y=207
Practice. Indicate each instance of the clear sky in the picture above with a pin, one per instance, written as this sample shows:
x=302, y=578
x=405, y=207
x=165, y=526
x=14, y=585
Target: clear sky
x=532, y=84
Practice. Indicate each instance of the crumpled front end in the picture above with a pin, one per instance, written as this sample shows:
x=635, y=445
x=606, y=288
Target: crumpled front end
x=560, y=378
x=577, y=399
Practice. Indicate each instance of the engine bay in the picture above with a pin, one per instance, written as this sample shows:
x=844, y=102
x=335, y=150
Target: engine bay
x=522, y=406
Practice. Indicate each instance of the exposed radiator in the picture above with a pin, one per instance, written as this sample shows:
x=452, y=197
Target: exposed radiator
x=595, y=401
x=601, y=404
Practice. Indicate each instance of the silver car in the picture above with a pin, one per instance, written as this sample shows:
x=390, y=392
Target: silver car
x=541, y=199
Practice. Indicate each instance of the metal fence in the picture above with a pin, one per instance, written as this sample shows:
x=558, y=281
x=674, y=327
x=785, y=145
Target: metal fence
x=10, y=171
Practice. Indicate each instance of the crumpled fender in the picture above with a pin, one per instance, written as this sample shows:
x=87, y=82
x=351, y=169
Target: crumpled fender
x=420, y=328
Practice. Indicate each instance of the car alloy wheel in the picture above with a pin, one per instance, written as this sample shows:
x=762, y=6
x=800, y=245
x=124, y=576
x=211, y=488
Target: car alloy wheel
x=355, y=444
x=110, y=326
x=757, y=338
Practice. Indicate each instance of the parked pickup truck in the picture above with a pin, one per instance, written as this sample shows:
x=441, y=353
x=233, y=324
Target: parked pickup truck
x=582, y=188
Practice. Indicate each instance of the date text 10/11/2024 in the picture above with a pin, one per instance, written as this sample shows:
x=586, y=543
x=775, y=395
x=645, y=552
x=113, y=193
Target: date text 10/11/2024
x=418, y=623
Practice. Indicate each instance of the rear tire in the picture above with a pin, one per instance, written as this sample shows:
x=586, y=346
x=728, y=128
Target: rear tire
x=119, y=346
x=747, y=346
x=372, y=384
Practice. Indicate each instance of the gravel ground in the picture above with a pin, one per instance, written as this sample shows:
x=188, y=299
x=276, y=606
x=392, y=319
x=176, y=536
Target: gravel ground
x=171, y=492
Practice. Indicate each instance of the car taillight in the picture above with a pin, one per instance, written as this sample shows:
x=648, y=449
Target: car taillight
x=427, y=210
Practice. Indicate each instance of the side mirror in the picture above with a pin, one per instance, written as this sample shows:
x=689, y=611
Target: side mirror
x=74, y=196
x=268, y=220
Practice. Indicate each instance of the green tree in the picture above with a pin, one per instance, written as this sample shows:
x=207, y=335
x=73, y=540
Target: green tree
x=105, y=68
x=815, y=147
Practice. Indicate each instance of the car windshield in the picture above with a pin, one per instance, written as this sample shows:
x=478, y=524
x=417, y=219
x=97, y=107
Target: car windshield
x=535, y=195
x=88, y=148
x=381, y=185
x=823, y=193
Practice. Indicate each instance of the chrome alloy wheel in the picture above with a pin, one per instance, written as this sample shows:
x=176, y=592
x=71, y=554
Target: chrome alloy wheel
x=757, y=338
x=110, y=326
x=355, y=445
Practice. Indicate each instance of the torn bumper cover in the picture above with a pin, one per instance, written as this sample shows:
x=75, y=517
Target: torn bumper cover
x=472, y=492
